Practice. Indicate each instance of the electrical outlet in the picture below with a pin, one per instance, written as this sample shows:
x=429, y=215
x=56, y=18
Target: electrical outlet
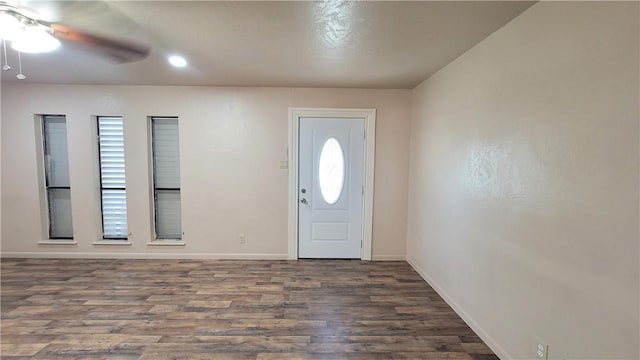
x=542, y=350
x=243, y=239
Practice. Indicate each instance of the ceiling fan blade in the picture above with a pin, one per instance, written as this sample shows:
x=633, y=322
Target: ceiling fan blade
x=122, y=51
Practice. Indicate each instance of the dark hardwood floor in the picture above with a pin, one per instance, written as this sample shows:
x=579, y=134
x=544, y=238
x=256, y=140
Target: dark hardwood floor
x=193, y=309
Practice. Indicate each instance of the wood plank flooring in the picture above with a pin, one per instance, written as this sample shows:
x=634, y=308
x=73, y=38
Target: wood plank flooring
x=206, y=309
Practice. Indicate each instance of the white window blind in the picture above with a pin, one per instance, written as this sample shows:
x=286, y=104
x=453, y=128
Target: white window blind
x=54, y=131
x=166, y=177
x=168, y=224
x=112, y=177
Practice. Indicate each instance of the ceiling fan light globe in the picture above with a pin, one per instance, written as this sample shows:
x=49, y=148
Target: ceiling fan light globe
x=10, y=27
x=35, y=39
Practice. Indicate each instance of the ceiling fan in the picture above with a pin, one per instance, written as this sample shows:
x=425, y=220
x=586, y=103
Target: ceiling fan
x=29, y=32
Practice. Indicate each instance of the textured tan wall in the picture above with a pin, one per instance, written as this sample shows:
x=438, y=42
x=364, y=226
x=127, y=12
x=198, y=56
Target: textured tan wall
x=524, y=182
x=232, y=140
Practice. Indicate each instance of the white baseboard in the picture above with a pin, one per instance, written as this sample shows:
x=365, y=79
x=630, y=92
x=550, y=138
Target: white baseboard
x=491, y=343
x=388, y=257
x=108, y=255
x=153, y=255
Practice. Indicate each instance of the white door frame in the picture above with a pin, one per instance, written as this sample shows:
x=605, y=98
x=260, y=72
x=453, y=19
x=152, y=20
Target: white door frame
x=369, y=116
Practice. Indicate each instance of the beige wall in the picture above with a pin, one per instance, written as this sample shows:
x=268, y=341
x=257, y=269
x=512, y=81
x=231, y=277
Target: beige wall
x=524, y=182
x=232, y=140
x=0, y=171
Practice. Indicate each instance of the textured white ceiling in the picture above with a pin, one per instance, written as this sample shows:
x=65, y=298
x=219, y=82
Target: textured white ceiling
x=305, y=44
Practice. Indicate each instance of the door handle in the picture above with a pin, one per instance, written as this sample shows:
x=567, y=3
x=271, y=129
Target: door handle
x=303, y=200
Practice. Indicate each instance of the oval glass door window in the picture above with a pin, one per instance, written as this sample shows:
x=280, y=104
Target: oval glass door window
x=331, y=171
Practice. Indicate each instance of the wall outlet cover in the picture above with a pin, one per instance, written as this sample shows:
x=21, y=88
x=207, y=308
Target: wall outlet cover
x=542, y=350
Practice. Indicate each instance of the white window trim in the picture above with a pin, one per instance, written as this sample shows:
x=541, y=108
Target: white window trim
x=111, y=242
x=42, y=181
x=58, y=242
x=166, y=242
x=369, y=116
x=154, y=241
x=42, y=188
x=101, y=240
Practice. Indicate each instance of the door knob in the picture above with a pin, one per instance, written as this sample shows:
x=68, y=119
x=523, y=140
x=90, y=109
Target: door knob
x=303, y=200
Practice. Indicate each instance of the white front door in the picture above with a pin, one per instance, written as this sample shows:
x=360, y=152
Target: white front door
x=331, y=159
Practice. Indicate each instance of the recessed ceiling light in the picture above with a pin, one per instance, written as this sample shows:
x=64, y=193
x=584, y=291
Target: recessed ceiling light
x=177, y=61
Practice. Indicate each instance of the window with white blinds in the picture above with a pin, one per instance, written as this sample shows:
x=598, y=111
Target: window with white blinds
x=166, y=177
x=112, y=177
x=56, y=161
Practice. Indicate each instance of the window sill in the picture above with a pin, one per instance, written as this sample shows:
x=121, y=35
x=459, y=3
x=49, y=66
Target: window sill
x=57, y=242
x=112, y=242
x=166, y=243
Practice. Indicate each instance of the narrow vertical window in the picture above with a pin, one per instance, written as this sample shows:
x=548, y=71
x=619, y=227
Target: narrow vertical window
x=112, y=177
x=56, y=164
x=166, y=177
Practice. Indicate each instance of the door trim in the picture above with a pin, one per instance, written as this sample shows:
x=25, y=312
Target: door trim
x=369, y=116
